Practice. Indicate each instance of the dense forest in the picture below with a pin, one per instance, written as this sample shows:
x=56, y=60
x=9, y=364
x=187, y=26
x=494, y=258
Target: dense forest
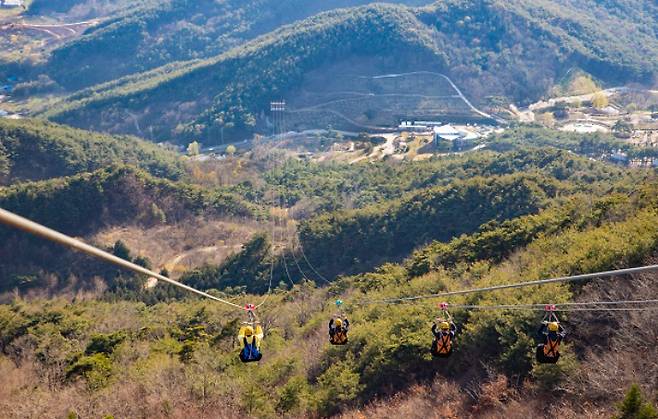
x=157, y=33
x=536, y=205
x=522, y=55
x=88, y=202
x=179, y=357
x=33, y=150
x=267, y=66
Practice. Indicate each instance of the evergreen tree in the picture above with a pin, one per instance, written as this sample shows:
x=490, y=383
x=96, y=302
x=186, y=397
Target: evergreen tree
x=634, y=407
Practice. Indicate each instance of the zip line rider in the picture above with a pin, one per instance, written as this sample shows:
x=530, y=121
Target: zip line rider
x=338, y=329
x=443, y=330
x=250, y=337
x=550, y=333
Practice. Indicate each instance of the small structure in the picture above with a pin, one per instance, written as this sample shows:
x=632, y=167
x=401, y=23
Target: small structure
x=413, y=126
x=12, y=3
x=447, y=133
x=460, y=138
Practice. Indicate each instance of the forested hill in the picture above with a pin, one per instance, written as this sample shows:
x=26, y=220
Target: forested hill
x=90, y=358
x=230, y=89
x=512, y=49
x=157, y=33
x=31, y=149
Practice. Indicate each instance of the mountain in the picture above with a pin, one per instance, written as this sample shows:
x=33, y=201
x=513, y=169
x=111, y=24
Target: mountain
x=87, y=203
x=239, y=83
x=491, y=48
x=32, y=149
x=152, y=34
x=396, y=231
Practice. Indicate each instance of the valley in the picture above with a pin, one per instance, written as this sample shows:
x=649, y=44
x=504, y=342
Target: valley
x=302, y=208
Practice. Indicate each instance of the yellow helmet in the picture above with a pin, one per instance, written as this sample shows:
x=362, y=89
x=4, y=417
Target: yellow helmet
x=553, y=327
x=444, y=325
x=338, y=322
x=248, y=331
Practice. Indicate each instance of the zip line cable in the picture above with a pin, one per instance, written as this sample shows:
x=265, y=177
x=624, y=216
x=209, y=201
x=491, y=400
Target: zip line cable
x=278, y=109
x=567, y=310
x=281, y=134
x=31, y=227
x=580, y=277
x=301, y=248
x=304, y=276
x=569, y=306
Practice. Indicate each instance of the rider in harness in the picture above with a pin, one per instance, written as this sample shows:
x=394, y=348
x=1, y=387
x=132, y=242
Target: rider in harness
x=250, y=342
x=443, y=338
x=338, y=331
x=250, y=337
x=551, y=334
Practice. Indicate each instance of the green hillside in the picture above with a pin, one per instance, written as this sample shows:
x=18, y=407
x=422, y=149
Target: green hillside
x=490, y=48
x=83, y=204
x=33, y=150
x=118, y=194
x=343, y=241
x=157, y=33
x=238, y=84
x=180, y=356
x=392, y=229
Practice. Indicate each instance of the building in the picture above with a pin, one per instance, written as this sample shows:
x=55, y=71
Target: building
x=447, y=133
x=460, y=138
x=12, y=3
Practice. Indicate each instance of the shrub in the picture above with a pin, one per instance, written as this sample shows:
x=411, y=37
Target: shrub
x=634, y=407
x=95, y=369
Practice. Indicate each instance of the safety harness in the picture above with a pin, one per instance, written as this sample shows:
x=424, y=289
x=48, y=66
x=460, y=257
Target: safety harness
x=339, y=337
x=444, y=344
x=551, y=347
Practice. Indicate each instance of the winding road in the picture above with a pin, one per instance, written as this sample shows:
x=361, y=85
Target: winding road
x=452, y=84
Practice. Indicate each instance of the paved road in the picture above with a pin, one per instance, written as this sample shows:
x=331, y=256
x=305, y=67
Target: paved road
x=573, y=99
x=57, y=32
x=454, y=86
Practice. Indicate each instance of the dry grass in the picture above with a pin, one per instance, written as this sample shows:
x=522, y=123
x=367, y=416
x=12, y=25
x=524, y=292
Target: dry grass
x=166, y=392
x=187, y=245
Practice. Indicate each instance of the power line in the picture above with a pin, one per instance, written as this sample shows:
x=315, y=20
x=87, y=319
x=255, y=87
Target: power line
x=581, y=277
x=310, y=265
x=275, y=107
x=31, y=227
x=292, y=252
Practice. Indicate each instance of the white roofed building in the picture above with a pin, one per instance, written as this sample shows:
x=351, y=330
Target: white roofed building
x=447, y=132
x=458, y=137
